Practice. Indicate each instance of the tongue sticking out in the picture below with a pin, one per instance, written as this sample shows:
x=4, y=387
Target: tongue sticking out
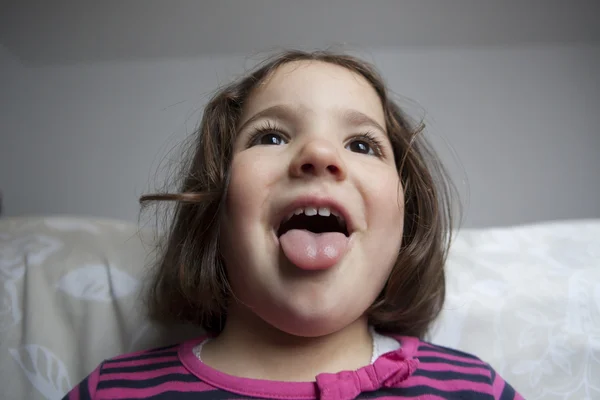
x=313, y=251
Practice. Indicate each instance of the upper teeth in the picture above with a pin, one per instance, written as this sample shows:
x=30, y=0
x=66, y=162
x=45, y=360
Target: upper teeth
x=311, y=211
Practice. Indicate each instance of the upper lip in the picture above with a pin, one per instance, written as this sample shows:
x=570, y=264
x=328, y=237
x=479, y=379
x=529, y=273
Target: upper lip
x=317, y=202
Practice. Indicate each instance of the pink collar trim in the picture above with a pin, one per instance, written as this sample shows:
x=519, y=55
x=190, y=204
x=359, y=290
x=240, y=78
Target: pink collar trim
x=387, y=371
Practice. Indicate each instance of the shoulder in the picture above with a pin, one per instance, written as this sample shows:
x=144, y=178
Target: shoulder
x=148, y=354
x=140, y=360
x=443, y=368
x=444, y=363
x=429, y=352
x=145, y=367
x=141, y=374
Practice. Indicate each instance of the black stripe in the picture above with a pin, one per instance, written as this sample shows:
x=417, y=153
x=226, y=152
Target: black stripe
x=207, y=395
x=84, y=391
x=417, y=391
x=508, y=393
x=446, y=350
x=141, y=368
x=147, y=383
x=143, y=356
x=450, y=375
x=163, y=348
x=431, y=359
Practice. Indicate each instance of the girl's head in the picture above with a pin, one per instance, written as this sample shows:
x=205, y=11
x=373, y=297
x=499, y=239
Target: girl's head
x=310, y=132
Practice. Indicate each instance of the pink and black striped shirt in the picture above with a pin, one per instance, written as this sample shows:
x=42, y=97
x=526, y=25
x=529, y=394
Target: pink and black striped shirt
x=417, y=370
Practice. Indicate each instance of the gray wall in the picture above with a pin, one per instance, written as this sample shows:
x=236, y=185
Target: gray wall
x=517, y=126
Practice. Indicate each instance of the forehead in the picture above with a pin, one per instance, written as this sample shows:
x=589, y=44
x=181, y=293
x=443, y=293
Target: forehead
x=316, y=86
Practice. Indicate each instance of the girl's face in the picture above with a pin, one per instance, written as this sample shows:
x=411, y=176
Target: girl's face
x=312, y=138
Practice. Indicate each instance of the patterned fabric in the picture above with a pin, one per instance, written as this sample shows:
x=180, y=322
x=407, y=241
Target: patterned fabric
x=525, y=299
x=417, y=370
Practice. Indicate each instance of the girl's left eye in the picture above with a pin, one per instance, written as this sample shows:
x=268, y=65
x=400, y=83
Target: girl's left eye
x=365, y=144
x=359, y=146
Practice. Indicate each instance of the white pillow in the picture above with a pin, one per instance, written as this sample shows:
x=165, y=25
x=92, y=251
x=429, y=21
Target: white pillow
x=527, y=300
x=70, y=298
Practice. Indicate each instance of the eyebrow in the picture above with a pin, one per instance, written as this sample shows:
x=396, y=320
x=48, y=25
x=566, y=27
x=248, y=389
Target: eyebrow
x=289, y=114
x=278, y=112
x=357, y=118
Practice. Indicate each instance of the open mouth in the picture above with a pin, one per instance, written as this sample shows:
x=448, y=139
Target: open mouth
x=313, y=219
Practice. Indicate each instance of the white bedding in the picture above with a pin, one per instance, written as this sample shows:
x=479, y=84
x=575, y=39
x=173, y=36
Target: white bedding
x=528, y=299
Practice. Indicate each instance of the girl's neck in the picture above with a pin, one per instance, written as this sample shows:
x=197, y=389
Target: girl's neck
x=250, y=348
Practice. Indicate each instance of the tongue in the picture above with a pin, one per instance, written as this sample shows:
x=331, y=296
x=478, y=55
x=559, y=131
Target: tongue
x=313, y=251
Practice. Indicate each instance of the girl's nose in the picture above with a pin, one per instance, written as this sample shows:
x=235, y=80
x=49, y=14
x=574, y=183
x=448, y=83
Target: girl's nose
x=318, y=157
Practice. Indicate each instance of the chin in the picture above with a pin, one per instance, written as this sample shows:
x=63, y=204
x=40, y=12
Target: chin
x=315, y=323
x=309, y=330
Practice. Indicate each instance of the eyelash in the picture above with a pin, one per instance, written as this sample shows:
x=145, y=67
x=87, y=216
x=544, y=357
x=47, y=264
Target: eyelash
x=270, y=127
x=373, y=141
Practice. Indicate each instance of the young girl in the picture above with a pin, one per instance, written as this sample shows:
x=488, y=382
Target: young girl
x=309, y=241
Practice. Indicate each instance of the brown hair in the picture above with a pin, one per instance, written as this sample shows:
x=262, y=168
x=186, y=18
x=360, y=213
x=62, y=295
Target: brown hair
x=191, y=284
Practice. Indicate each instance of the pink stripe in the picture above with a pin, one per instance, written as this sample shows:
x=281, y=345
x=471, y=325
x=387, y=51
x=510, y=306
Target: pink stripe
x=433, y=353
x=92, y=384
x=93, y=379
x=74, y=393
x=449, y=386
x=138, y=376
x=143, y=361
x=117, y=393
x=454, y=368
x=498, y=386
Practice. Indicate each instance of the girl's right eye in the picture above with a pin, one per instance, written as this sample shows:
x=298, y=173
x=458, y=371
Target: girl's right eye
x=271, y=138
x=267, y=137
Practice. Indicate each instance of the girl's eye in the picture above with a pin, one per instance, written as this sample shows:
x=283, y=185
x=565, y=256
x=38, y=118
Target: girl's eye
x=366, y=143
x=267, y=137
x=360, y=146
x=270, y=139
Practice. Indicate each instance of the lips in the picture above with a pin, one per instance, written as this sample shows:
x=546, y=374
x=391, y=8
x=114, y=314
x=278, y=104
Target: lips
x=315, y=206
x=316, y=219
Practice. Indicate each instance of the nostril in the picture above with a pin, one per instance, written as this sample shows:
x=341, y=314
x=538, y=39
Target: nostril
x=333, y=169
x=310, y=168
x=307, y=168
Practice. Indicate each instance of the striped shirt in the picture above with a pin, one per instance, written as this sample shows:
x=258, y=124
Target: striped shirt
x=417, y=370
